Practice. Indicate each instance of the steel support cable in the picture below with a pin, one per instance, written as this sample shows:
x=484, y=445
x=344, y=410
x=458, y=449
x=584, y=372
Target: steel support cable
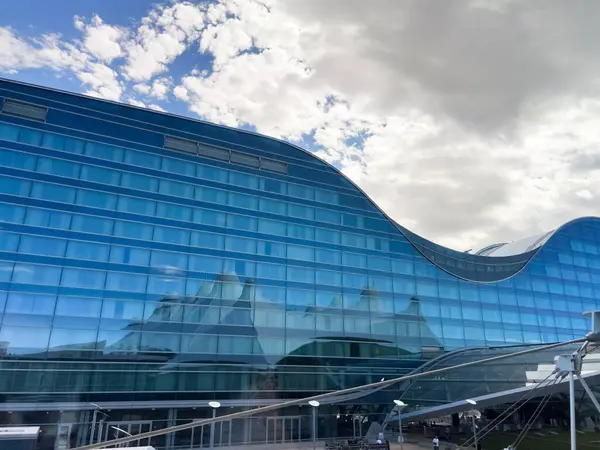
x=536, y=414
x=517, y=405
x=304, y=401
x=533, y=417
x=544, y=402
x=528, y=393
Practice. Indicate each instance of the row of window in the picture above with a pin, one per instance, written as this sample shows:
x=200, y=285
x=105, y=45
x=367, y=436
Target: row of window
x=194, y=216
x=185, y=237
x=176, y=166
x=145, y=257
x=184, y=274
x=110, y=341
x=176, y=382
x=180, y=190
x=265, y=226
x=141, y=256
x=270, y=315
x=32, y=136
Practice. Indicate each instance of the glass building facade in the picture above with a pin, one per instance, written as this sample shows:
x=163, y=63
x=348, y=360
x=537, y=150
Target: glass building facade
x=151, y=263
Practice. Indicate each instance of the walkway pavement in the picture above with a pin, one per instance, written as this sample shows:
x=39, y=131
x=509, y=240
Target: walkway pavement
x=409, y=446
x=321, y=446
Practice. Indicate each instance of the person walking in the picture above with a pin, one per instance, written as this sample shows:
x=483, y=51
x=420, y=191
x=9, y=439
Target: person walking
x=436, y=443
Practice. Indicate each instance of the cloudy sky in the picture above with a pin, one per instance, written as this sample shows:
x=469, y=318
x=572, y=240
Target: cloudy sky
x=468, y=121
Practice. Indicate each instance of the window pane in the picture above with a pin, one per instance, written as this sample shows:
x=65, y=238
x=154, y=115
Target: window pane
x=100, y=175
x=130, y=255
x=58, y=167
x=126, y=282
x=91, y=224
x=176, y=189
x=78, y=307
x=34, y=274
x=141, y=182
x=87, y=250
x=142, y=159
x=54, y=192
x=83, y=278
x=102, y=151
x=42, y=246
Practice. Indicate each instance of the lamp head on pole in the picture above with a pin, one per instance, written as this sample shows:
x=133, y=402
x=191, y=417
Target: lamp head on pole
x=214, y=404
x=314, y=403
x=399, y=403
x=471, y=402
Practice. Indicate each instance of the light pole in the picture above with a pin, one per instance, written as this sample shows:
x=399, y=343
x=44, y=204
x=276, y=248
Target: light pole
x=400, y=404
x=94, y=417
x=315, y=404
x=473, y=403
x=214, y=406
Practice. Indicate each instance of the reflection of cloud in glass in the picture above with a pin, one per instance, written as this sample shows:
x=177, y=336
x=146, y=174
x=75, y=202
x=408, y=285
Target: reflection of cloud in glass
x=169, y=271
x=22, y=340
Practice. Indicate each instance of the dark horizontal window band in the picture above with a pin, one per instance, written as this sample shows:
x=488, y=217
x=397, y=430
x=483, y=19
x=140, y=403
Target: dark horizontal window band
x=226, y=155
x=358, y=200
x=397, y=317
x=185, y=249
x=150, y=271
x=396, y=247
x=24, y=110
x=179, y=201
x=138, y=125
x=188, y=249
x=108, y=214
x=182, y=145
x=80, y=236
x=204, y=367
x=65, y=123
x=156, y=173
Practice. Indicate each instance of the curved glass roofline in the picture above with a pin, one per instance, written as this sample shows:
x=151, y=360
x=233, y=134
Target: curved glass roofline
x=480, y=268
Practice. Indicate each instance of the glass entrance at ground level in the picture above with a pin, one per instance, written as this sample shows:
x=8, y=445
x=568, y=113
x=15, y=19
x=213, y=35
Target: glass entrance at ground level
x=63, y=436
x=113, y=430
x=283, y=429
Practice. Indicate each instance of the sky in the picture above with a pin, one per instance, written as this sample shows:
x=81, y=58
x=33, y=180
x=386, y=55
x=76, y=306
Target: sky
x=469, y=122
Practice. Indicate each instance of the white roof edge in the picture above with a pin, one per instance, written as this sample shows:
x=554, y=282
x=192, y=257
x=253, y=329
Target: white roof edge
x=516, y=247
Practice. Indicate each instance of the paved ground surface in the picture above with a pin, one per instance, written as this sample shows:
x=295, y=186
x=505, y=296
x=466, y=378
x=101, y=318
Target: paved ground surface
x=321, y=446
x=408, y=446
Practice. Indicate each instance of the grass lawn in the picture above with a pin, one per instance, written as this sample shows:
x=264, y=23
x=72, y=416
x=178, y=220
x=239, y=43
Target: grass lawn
x=545, y=439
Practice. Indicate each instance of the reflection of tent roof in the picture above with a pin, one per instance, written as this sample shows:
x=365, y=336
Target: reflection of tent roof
x=226, y=306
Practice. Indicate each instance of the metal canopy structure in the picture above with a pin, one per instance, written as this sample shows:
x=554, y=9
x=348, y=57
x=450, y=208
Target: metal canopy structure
x=320, y=397
x=498, y=398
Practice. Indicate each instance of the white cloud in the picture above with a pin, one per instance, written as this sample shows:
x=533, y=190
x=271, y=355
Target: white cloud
x=470, y=123
x=102, y=81
x=14, y=52
x=155, y=107
x=161, y=88
x=142, y=88
x=162, y=36
x=135, y=102
x=100, y=40
x=50, y=52
x=458, y=144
